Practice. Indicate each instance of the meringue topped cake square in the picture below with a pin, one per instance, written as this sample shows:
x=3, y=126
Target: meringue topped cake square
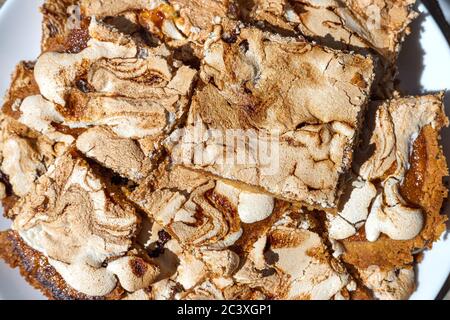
x=392, y=207
x=117, y=97
x=303, y=101
x=377, y=27
x=345, y=24
x=175, y=22
x=223, y=235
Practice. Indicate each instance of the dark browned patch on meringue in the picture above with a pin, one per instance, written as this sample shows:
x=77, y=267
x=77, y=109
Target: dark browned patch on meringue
x=77, y=40
x=138, y=267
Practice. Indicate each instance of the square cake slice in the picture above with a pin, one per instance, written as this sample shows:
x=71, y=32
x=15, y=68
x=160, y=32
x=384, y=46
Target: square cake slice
x=226, y=240
x=25, y=155
x=176, y=22
x=118, y=98
x=380, y=25
x=73, y=234
x=392, y=209
x=277, y=114
x=59, y=19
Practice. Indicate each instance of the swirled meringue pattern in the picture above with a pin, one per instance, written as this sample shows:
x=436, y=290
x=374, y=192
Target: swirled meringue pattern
x=73, y=219
x=139, y=93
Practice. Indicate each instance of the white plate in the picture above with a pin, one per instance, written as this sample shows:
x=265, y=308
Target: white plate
x=424, y=67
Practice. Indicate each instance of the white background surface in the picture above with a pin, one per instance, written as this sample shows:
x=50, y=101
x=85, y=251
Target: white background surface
x=424, y=67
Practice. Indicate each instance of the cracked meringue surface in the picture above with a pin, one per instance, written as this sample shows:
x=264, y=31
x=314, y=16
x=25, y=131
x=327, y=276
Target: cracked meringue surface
x=199, y=211
x=377, y=24
x=303, y=268
x=377, y=27
x=25, y=153
x=312, y=106
x=176, y=22
x=112, y=153
x=113, y=96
